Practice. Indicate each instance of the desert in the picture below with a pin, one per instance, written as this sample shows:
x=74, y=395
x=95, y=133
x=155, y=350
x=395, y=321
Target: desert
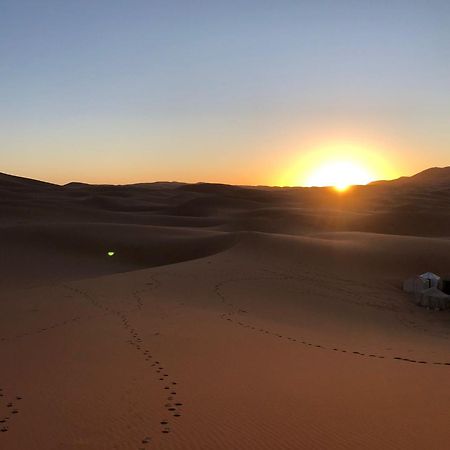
x=227, y=317
x=224, y=225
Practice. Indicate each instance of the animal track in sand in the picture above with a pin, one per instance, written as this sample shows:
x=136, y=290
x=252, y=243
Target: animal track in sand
x=41, y=330
x=229, y=317
x=135, y=340
x=8, y=409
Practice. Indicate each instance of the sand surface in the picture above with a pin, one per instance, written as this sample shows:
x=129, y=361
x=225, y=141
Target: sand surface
x=228, y=317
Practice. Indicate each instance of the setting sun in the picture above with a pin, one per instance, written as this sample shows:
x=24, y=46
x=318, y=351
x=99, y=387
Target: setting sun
x=339, y=174
x=339, y=164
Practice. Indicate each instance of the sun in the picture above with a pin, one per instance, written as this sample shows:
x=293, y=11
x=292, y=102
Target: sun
x=337, y=163
x=340, y=175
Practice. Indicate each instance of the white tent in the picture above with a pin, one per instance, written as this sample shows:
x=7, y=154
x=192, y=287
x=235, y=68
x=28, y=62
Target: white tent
x=431, y=279
x=415, y=285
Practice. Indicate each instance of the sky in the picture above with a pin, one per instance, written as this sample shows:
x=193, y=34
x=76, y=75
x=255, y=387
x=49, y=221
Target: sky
x=241, y=92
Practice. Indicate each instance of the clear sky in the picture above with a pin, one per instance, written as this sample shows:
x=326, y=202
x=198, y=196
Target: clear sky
x=244, y=92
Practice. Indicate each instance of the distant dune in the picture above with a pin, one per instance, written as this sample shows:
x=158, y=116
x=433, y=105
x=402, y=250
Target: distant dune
x=78, y=222
x=206, y=316
x=429, y=178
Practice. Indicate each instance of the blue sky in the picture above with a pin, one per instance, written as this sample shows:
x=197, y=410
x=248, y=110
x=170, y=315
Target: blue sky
x=109, y=91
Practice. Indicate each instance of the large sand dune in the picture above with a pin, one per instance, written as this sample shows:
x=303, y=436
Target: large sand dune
x=227, y=318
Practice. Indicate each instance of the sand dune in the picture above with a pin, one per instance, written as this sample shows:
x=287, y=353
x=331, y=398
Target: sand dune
x=39, y=253
x=228, y=317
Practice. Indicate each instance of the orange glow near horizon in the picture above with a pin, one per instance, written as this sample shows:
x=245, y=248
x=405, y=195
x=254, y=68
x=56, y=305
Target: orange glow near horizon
x=338, y=165
x=340, y=175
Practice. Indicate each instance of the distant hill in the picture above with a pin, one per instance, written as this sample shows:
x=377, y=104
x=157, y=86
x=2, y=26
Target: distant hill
x=151, y=185
x=160, y=185
x=7, y=180
x=433, y=177
x=417, y=205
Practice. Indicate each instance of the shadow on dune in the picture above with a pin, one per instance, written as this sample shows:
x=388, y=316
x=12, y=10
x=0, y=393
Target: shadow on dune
x=51, y=252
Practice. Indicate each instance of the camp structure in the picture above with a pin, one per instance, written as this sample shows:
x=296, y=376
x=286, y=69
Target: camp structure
x=415, y=285
x=431, y=279
x=433, y=298
x=422, y=282
x=427, y=290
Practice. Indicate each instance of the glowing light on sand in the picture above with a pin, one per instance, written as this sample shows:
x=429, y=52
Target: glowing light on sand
x=110, y=253
x=340, y=174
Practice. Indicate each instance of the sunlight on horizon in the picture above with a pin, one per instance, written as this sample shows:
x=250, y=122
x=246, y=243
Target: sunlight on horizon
x=339, y=165
x=340, y=175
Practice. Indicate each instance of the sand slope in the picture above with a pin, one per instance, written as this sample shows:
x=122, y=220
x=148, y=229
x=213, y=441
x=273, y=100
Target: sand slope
x=229, y=318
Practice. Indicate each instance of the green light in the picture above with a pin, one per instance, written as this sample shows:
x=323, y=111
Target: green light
x=111, y=253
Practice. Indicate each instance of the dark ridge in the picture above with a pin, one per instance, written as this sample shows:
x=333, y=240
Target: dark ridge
x=7, y=180
x=419, y=206
x=211, y=188
x=434, y=176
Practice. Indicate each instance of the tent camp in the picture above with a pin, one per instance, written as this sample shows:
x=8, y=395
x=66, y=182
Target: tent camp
x=427, y=292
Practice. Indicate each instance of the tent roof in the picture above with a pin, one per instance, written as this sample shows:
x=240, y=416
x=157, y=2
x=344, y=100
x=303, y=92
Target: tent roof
x=430, y=276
